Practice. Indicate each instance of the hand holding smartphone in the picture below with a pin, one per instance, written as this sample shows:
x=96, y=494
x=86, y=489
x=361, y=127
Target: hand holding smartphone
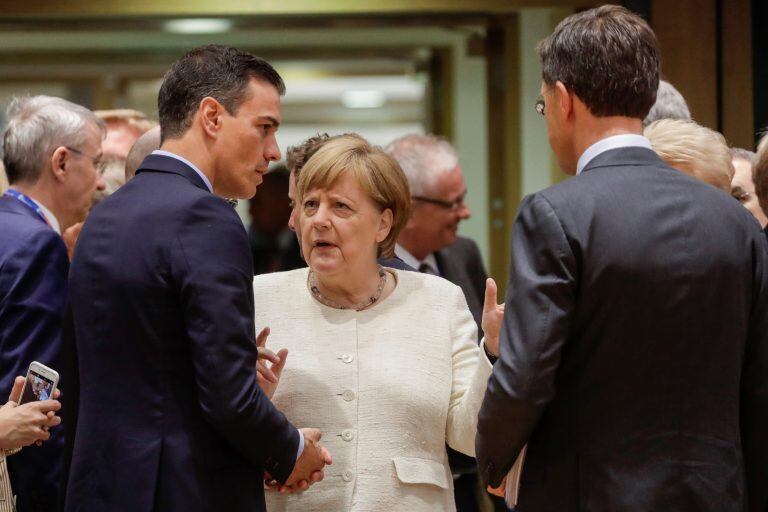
x=28, y=421
x=40, y=383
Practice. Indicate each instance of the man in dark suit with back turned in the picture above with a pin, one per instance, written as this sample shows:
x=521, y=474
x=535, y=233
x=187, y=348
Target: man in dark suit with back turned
x=633, y=356
x=429, y=243
x=171, y=416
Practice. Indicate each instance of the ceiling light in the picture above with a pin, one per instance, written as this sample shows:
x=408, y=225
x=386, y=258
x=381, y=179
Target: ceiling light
x=198, y=26
x=363, y=99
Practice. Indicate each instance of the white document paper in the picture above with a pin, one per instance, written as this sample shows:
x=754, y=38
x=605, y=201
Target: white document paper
x=512, y=487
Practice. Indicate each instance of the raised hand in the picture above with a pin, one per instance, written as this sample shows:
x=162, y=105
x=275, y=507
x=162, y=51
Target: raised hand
x=493, y=315
x=309, y=467
x=22, y=425
x=268, y=376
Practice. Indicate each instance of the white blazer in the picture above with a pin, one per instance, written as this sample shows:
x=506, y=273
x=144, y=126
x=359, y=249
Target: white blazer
x=387, y=386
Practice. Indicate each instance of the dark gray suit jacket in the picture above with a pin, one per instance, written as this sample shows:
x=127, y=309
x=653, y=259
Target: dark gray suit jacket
x=633, y=359
x=462, y=264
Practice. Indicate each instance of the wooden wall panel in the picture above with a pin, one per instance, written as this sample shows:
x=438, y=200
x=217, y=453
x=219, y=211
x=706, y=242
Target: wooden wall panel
x=737, y=106
x=687, y=32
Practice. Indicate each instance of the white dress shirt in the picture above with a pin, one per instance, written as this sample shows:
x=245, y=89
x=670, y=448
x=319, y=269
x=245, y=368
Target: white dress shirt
x=49, y=216
x=608, y=143
x=402, y=253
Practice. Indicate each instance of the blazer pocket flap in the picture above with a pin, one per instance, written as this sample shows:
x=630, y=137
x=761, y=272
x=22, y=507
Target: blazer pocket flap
x=412, y=470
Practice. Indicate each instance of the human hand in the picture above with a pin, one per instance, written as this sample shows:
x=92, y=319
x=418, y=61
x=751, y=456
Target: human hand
x=70, y=238
x=498, y=491
x=268, y=377
x=22, y=425
x=309, y=467
x=493, y=315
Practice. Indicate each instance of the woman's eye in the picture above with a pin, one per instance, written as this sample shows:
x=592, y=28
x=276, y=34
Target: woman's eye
x=309, y=203
x=341, y=205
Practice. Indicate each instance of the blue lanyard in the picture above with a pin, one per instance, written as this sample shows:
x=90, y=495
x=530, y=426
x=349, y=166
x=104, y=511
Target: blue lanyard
x=27, y=201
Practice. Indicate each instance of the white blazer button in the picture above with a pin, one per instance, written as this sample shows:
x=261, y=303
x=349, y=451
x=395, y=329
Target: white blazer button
x=348, y=476
x=347, y=358
x=348, y=395
x=348, y=435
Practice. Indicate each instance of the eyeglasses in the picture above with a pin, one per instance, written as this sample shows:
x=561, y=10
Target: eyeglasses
x=448, y=205
x=540, y=104
x=96, y=160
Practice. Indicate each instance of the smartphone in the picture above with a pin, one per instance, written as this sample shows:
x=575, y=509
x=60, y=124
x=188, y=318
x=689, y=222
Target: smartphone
x=40, y=384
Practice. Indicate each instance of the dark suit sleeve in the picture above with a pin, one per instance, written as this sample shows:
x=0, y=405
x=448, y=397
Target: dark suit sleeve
x=215, y=273
x=539, y=305
x=35, y=278
x=754, y=386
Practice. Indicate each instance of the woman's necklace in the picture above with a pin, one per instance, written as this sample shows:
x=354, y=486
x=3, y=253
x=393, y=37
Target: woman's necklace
x=312, y=282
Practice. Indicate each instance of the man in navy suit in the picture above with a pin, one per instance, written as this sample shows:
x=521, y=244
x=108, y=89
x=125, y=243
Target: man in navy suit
x=51, y=152
x=171, y=416
x=634, y=345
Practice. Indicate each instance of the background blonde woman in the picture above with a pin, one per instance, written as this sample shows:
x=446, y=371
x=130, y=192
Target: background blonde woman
x=693, y=149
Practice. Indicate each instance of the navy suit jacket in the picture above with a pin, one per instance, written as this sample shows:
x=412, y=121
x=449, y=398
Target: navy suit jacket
x=171, y=417
x=634, y=348
x=33, y=289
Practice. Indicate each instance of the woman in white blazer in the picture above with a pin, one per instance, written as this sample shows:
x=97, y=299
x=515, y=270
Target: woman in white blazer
x=384, y=362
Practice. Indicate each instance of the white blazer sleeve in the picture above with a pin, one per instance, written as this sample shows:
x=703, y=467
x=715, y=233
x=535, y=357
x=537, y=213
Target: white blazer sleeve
x=471, y=370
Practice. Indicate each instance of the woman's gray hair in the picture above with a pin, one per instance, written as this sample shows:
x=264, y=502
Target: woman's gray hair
x=37, y=125
x=423, y=159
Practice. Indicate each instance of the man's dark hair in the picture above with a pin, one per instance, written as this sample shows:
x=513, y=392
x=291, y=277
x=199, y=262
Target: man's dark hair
x=608, y=57
x=297, y=156
x=221, y=72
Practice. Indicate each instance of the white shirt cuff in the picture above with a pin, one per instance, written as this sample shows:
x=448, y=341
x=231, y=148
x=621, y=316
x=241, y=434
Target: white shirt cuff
x=301, y=445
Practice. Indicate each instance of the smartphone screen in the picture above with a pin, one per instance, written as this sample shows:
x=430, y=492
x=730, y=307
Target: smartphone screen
x=36, y=388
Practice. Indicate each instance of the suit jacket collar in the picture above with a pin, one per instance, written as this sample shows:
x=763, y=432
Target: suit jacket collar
x=162, y=163
x=12, y=205
x=625, y=156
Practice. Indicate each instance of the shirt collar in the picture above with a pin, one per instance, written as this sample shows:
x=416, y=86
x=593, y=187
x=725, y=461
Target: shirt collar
x=613, y=142
x=190, y=164
x=402, y=253
x=49, y=216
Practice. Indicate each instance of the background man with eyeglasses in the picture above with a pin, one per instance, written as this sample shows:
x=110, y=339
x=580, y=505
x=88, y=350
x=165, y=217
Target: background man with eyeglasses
x=429, y=243
x=51, y=153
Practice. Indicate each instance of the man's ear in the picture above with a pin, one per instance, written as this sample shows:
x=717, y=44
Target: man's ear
x=210, y=113
x=385, y=225
x=564, y=100
x=58, y=163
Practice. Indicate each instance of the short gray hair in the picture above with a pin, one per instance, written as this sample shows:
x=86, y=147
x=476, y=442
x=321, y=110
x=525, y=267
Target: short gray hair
x=423, y=158
x=669, y=104
x=37, y=125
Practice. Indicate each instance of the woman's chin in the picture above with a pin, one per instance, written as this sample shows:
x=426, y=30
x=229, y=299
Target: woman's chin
x=325, y=265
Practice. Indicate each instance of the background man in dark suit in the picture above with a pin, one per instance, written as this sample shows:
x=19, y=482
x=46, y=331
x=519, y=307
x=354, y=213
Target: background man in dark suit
x=51, y=150
x=429, y=244
x=171, y=416
x=633, y=357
